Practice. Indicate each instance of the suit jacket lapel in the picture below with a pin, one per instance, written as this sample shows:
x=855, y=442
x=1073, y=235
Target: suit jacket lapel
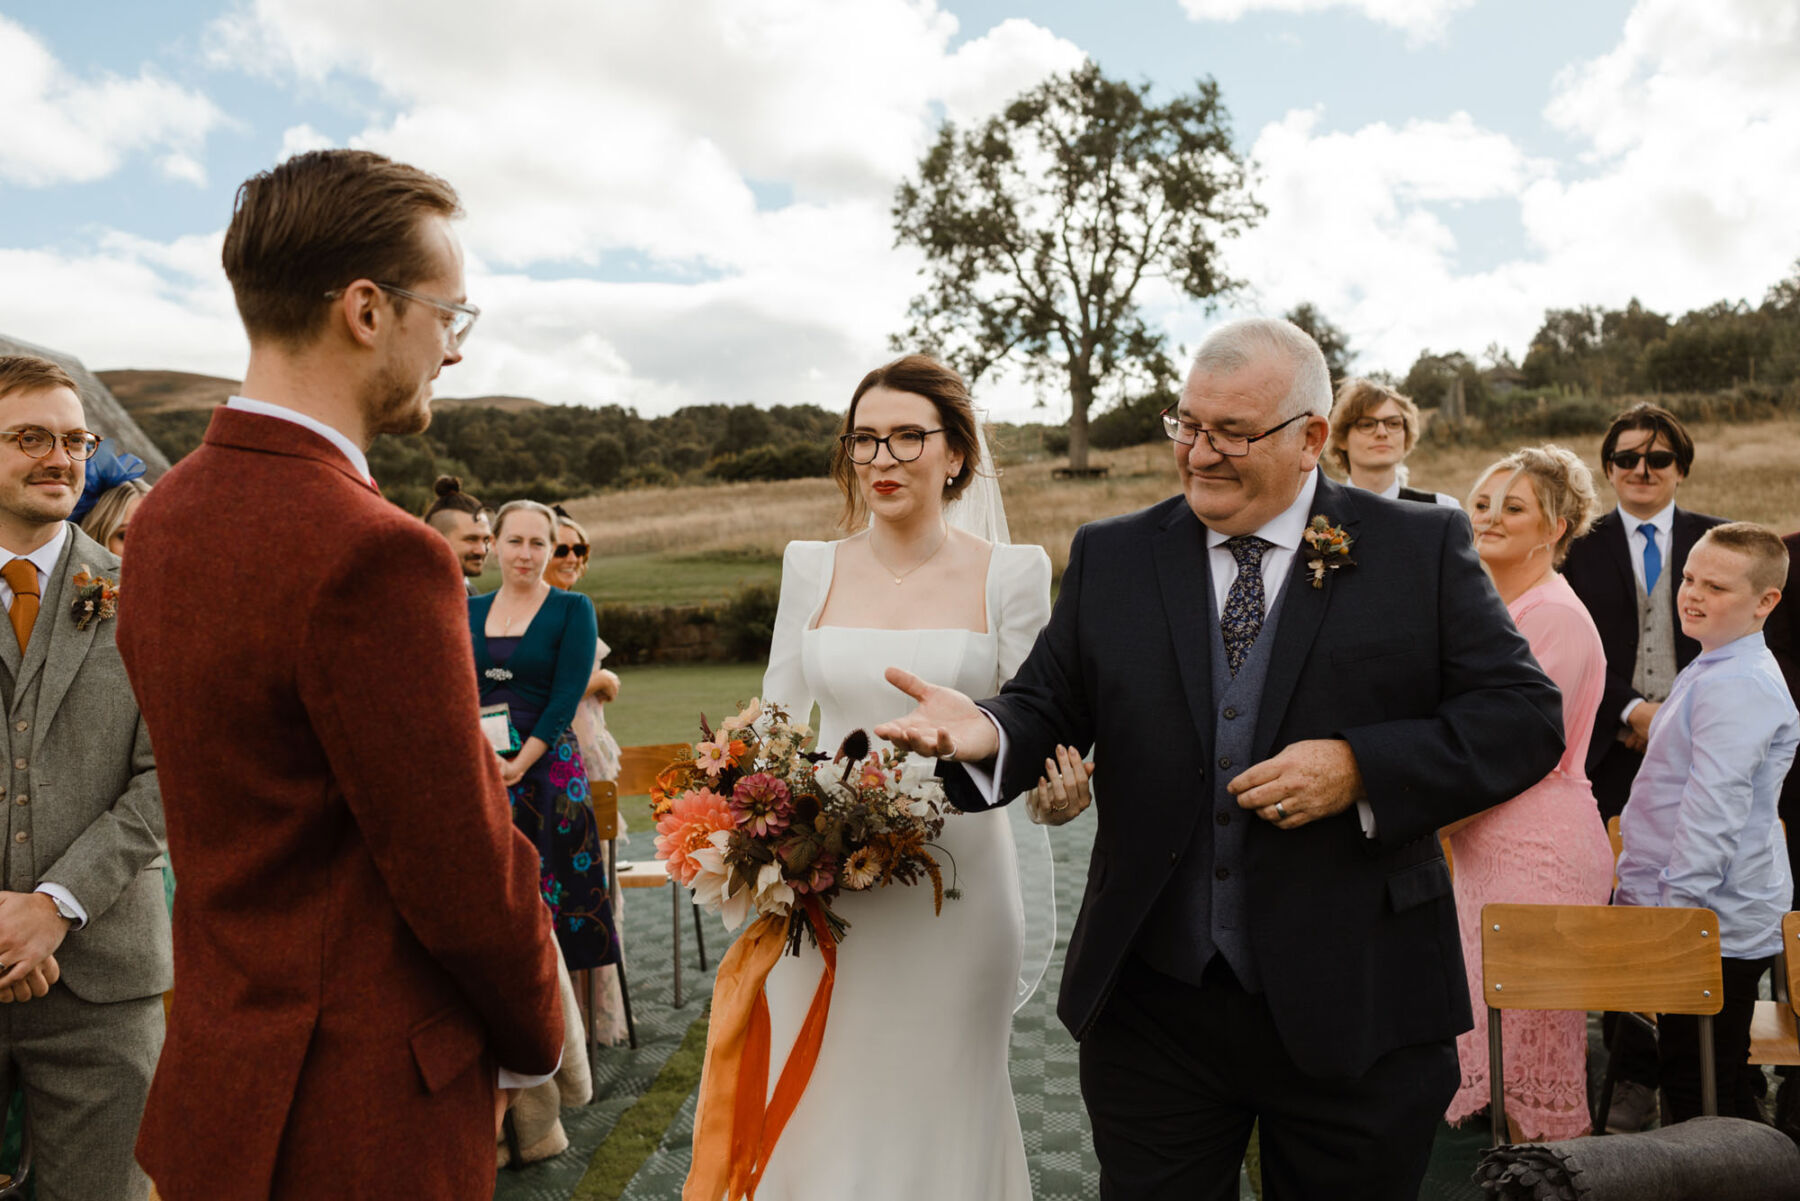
x=1302, y=613
x=57, y=647
x=1618, y=542
x=1184, y=575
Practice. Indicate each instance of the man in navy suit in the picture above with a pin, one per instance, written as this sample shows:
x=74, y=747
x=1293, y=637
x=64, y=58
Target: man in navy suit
x=1289, y=687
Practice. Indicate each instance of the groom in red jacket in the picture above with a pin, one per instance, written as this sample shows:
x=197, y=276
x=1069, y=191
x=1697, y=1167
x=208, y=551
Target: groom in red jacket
x=361, y=954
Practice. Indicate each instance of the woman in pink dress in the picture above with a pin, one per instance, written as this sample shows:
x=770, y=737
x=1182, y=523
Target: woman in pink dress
x=1548, y=844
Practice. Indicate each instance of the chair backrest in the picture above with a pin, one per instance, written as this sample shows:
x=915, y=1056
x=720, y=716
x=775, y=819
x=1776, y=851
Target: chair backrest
x=639, y=765
x=1615, y=835
x=603, y=795
x=1790, y=945
x=1601, y=957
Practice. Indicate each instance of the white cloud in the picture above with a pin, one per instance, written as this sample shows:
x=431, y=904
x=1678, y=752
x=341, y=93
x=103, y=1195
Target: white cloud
x=299, y=139
x=61, y=129
x=1684, y=194
x=599, y=134
x=1420, y=19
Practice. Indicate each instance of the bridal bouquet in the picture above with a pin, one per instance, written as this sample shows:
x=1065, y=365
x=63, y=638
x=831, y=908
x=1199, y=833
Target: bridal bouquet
x=754, y=824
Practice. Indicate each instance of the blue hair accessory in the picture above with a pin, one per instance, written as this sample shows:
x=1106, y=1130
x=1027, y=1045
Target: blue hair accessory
x=105, y=471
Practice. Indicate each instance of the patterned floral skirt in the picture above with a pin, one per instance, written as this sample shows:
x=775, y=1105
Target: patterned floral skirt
x=550, y=805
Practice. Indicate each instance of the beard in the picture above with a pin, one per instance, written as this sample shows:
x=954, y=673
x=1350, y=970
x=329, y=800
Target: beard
x=26, y=502
x=394, y=403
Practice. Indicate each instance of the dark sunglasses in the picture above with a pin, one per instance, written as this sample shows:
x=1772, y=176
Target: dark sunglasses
x=1627, y=460
x=563, y=548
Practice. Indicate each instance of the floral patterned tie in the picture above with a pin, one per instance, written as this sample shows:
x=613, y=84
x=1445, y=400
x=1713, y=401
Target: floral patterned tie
x=1242, y=620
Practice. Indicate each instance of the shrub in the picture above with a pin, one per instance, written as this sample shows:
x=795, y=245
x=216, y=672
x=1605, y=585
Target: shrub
x=747, y=624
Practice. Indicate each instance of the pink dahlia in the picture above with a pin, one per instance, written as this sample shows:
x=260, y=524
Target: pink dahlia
x=686, y=827
x=762, y=805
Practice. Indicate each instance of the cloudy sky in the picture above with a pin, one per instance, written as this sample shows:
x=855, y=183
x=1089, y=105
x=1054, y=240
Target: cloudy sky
x=680, y=201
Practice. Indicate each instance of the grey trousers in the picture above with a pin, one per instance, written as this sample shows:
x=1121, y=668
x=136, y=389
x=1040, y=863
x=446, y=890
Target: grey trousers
x=85, y=1070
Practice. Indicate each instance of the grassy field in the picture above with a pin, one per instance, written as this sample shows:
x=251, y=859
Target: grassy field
x=701, y=542
x=662, y=703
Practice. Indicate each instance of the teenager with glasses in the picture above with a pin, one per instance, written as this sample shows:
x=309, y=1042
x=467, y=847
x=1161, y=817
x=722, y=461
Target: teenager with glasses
x=1373, y=429
x=1626, y=571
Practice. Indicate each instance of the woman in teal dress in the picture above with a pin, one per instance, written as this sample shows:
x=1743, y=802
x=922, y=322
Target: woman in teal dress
x=534, y=652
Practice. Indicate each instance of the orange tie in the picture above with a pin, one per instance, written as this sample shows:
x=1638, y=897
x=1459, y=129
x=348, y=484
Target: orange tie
x=22, y=578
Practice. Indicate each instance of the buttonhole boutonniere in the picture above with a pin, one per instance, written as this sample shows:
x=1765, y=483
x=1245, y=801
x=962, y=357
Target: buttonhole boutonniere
x=96, y=598
x=1328, y=549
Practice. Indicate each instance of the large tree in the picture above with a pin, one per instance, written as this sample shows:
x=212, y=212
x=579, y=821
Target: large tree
x=1041, y=226
x=1332, y=340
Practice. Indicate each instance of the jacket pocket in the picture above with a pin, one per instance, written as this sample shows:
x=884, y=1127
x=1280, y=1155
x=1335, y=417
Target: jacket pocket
x=444, y=1045
x=1419, y=883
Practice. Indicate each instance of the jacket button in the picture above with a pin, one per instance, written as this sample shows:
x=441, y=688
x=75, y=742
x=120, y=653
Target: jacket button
x=1230, y=714
x=22, y=836
x=23, y=800
x=1223, y=873
x=1224, y=761
x=1173, y=856
x=21, y=726
x=21, y=764
x=1224, y=819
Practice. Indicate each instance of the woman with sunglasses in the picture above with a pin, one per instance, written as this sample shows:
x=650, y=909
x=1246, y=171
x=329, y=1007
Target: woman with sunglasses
x=910, y=1095
x=1373, y=429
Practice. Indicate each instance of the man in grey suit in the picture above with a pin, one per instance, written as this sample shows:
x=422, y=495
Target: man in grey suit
x=83, y=824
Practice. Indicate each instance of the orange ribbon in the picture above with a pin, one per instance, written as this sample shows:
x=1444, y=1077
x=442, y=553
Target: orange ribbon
x=734, y=1131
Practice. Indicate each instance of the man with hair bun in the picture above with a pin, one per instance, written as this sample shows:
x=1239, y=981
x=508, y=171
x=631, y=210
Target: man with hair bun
x=463, y=522
x=360, y=944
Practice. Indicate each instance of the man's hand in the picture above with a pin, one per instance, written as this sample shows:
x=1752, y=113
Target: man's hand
x=1063, y=792
x=1637, y=725
x=503, y=1099
x=946, y=724
x=1309, y=780
x=30, y=931
x=36, y=983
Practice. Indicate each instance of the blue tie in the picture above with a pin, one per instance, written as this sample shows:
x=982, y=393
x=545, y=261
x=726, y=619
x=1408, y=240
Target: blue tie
x=1652, y=557
x=1242, y=620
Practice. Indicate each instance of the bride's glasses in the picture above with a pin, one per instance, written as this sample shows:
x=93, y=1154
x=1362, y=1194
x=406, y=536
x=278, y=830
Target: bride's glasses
x=904, y=445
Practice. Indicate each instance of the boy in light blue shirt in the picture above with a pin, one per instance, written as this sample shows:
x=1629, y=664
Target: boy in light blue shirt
x=1700, y=829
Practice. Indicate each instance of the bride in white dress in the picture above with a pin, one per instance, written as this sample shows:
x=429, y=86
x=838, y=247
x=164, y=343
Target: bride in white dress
x=910, y=1099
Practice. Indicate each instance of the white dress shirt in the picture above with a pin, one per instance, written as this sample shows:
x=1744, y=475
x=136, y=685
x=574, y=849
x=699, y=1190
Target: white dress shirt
x=1663, y=527
x=1283, y=532
x=360, y=461
x=44, y=559
x=336, y=437
x=1392, y=492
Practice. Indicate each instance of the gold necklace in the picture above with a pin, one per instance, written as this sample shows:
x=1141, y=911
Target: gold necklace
x=900, y=576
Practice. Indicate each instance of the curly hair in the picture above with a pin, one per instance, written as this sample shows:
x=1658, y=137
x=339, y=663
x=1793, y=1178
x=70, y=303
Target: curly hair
x=1357, y=398
x=1562, y=483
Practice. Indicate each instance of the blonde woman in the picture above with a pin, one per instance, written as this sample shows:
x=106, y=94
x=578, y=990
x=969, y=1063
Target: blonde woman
x=108, y=520
x=1547, y=845
x=568, y=563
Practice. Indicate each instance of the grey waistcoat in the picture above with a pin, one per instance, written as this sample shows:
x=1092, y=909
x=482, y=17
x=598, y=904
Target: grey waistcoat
x=1204, y=907
x=1654, y=673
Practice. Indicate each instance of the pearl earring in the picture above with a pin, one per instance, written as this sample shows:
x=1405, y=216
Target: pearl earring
x=949, y=481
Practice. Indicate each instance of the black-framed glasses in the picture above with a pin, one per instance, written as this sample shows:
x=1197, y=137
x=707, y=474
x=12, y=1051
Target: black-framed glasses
x=565, y=549
x=904, y=445
x=1627, y=460
x=37, y=442
x=462, y=316
x=1368, y=425
x=1233, y=445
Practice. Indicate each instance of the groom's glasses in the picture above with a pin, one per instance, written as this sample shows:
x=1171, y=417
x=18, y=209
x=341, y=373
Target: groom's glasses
x=1187, y=433
x=904, y=445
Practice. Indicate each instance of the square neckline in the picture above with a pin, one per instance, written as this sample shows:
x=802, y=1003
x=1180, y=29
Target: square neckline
x=987, y=602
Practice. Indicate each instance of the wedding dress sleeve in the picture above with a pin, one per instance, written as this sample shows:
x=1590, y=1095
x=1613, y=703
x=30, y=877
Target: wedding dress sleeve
x=1023, y=579
x=803, y=567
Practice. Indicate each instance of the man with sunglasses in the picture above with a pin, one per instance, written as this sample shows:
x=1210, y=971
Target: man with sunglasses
x=83, y=827
x=361, y=944
x=1626, y=570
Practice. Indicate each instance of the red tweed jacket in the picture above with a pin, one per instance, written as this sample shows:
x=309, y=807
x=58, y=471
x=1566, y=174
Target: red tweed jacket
x=359, y=938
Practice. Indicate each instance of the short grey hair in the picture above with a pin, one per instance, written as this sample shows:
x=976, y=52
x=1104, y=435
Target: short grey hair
x=1237, y=344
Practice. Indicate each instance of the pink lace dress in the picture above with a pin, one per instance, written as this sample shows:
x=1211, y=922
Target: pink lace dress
x=1546, y=846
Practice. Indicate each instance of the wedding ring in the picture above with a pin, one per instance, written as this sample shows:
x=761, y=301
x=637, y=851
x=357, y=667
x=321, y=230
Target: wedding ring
x=1060, y=804
x=1280, y=813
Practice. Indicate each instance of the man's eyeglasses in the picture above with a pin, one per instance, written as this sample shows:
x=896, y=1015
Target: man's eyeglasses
x=37, y=442
x=1187, y=433
x=904, y=445
x=565, y=549
x=1627, y=460
x=462, y=316
x=1368, y=425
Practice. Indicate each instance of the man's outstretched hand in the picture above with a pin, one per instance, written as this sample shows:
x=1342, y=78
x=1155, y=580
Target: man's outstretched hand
x=946, y=724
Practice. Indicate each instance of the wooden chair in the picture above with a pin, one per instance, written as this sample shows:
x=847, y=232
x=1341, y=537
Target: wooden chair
x=638, y=768
x=1600, y=957
x=1774, y=1032
x=13, y=1187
